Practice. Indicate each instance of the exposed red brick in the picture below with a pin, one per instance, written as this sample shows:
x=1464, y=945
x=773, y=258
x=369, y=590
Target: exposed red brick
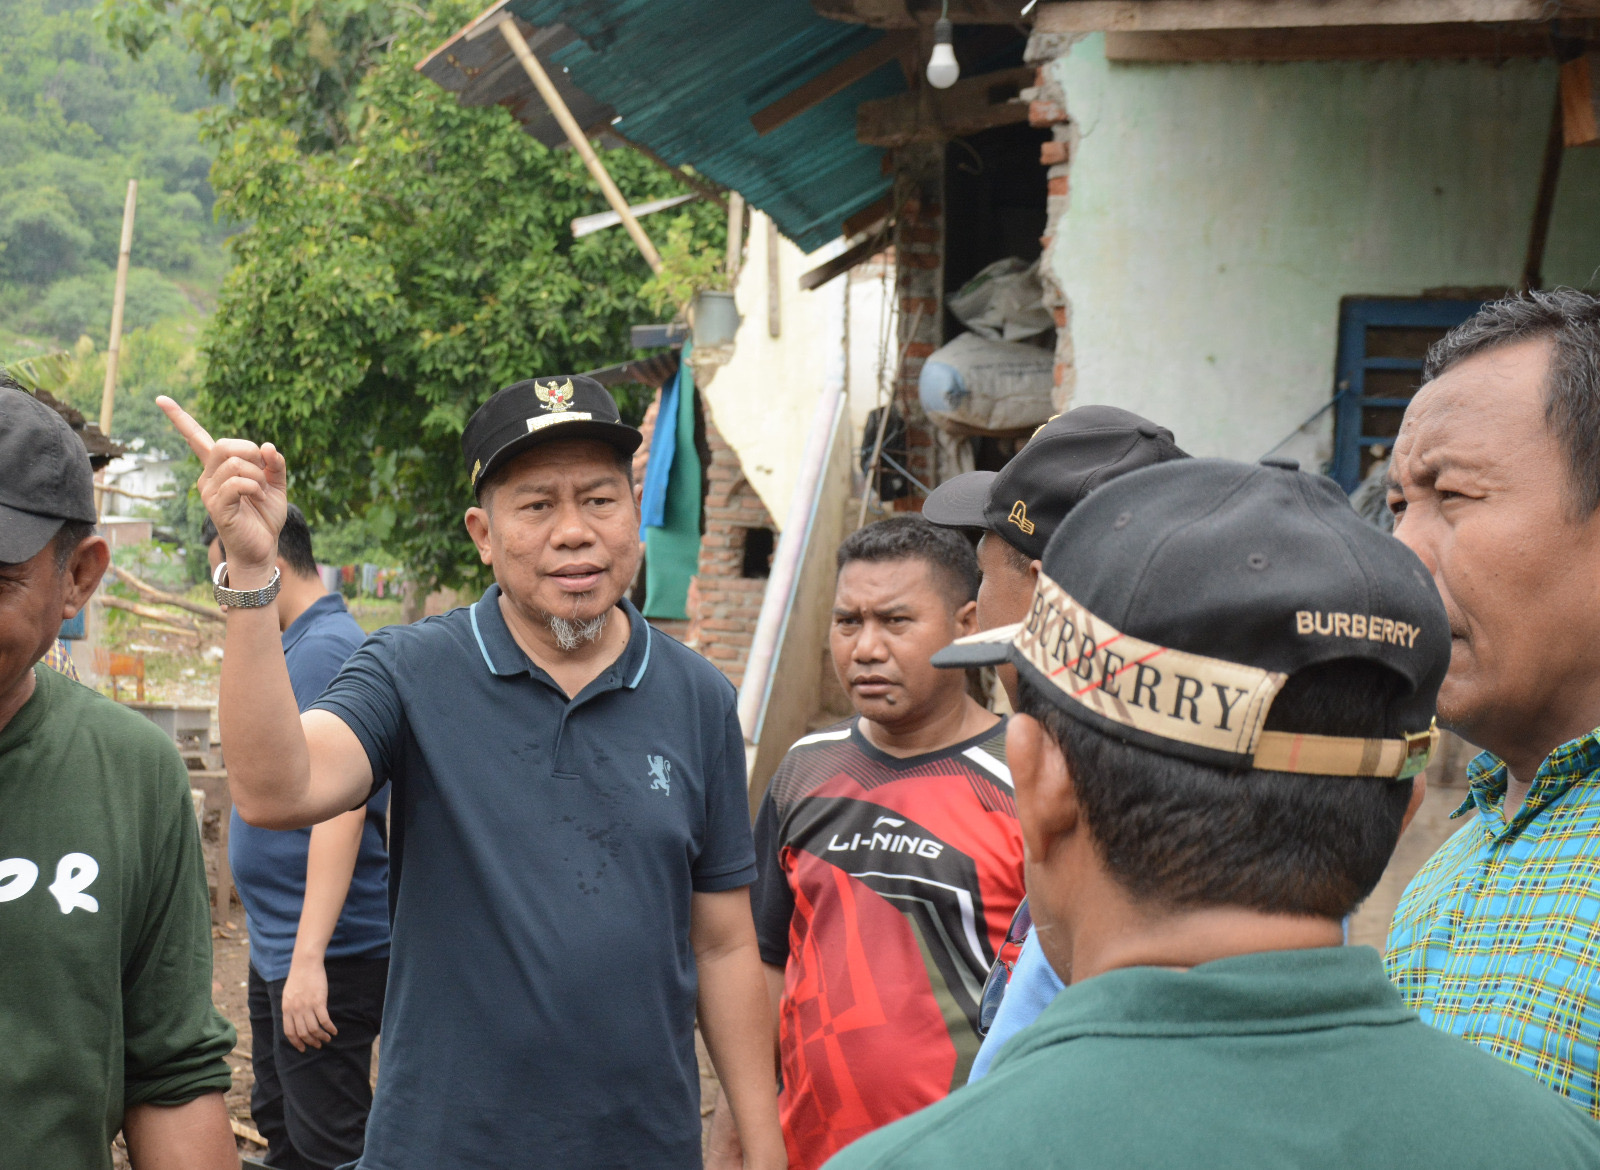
x=1045, y=113
x=1052, y=153
x=1057, y=186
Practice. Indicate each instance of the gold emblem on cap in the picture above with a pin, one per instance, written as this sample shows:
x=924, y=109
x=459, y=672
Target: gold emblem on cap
x=477, y=466
x=555, y=396
x=1019, y=517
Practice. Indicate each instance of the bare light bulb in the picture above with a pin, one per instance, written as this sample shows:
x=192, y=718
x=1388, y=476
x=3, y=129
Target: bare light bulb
x=943, y=68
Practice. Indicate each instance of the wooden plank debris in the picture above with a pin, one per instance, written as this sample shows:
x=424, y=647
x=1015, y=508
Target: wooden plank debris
x=845, y=261
x=161, y=597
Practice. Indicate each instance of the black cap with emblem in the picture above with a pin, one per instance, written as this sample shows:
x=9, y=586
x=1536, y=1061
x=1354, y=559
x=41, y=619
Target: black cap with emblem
x=542, y=410
x=1174, y=603
x=1063, y=462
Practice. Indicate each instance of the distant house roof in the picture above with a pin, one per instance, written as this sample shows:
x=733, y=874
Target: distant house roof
x=101, y=448
x=683, y=77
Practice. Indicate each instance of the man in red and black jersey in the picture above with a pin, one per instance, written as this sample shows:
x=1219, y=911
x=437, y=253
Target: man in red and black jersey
x=890, y=860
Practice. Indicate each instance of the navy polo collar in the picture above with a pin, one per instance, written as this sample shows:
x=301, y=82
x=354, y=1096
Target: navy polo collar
x=504, y=657
x=328, y=603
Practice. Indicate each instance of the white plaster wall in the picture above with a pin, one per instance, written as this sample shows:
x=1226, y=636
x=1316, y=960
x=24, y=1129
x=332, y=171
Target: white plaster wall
x=763, y=399
x=1216, y=215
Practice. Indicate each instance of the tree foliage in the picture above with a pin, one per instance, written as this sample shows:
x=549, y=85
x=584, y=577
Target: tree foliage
x=404, y=259
x=77, y=121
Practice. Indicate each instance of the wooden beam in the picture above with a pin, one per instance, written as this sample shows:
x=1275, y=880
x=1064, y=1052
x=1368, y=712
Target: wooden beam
x=1369, y=43
x=867, y=216
x=1580, y=101
x=936, y=115
x=901, y=14
x=825, y=85
x=1129, y=16
x=845, y=261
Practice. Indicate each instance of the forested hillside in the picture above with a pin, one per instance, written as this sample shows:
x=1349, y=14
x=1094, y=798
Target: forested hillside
x=78, y=119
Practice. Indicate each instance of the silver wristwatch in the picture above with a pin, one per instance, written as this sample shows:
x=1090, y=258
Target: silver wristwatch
x=244, y=598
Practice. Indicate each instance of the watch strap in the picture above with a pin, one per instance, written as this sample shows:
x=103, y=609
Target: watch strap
x=244, y=598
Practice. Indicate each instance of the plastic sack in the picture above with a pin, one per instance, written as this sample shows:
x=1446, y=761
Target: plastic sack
x=1004, y=302
x=976, y=386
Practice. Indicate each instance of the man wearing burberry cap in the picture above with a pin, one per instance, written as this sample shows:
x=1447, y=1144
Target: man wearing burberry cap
x=1227, y=687
x=570, y=837
x=106, y=1020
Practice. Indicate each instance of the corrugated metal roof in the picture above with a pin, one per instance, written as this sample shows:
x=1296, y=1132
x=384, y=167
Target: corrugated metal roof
x=685, y=76
x=478, y=67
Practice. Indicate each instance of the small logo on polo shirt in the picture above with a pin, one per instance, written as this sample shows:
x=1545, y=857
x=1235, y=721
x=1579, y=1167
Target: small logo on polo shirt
x=1019, y=517
x=661, y=774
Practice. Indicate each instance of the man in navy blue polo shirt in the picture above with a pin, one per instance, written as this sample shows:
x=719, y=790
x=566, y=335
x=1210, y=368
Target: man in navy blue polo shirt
x=571, y=837
x=317, y=901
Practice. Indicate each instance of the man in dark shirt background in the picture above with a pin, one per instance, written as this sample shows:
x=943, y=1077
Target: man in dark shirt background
x=317, y=901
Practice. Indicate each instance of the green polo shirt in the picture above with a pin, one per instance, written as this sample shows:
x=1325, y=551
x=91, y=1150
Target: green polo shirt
x=1302, y=1058
x=105, y=931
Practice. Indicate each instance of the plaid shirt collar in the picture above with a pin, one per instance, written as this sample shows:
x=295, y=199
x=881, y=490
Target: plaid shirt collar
x=1574, y=762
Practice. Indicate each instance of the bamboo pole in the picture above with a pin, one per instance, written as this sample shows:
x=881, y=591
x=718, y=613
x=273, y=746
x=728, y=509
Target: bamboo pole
x=114, y=347
x=107, y=396
x=580, y=142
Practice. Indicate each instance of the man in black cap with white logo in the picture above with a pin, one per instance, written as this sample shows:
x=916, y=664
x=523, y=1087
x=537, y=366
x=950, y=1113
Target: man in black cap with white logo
x=106, y=1020
x=571, y=848
x=1017, y=510
x=1207, y=783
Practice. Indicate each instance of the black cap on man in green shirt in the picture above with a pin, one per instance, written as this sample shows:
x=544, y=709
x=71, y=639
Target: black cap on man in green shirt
x=106, y=1020
x=1226, y=696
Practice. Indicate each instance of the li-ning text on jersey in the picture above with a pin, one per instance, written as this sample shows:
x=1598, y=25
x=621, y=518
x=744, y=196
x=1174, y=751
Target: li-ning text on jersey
x=886, y=885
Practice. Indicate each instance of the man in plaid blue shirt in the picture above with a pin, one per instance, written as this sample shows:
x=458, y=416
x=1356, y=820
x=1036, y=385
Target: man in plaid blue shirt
x=1496, y=486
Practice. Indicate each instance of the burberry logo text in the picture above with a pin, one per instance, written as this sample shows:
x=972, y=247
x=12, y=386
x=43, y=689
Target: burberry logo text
x=1356, y=625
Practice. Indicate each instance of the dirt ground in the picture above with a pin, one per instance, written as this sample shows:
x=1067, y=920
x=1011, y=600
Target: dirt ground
x=230, y=976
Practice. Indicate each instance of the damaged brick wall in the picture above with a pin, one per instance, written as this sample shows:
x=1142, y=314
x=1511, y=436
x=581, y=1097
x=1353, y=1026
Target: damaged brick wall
x=735, y=556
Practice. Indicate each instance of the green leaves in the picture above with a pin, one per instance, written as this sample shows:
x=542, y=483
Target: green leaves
x=404, y=258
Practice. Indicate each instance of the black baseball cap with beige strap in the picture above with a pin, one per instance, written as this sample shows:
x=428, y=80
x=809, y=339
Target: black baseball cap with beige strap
x=1174, y=603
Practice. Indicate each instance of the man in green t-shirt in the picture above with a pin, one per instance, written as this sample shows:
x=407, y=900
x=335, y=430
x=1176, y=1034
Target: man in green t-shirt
x=1226, y=693
x=106, y=1020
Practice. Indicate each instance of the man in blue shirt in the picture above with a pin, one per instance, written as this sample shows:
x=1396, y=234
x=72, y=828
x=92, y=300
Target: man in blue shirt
x=571, y=835
x=318, y=910
x=1017, y=510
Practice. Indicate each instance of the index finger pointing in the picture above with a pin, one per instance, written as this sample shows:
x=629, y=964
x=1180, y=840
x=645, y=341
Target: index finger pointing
x=193, y=433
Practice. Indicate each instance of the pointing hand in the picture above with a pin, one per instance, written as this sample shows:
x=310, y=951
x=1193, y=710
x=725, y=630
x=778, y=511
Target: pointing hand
x=244, y=488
